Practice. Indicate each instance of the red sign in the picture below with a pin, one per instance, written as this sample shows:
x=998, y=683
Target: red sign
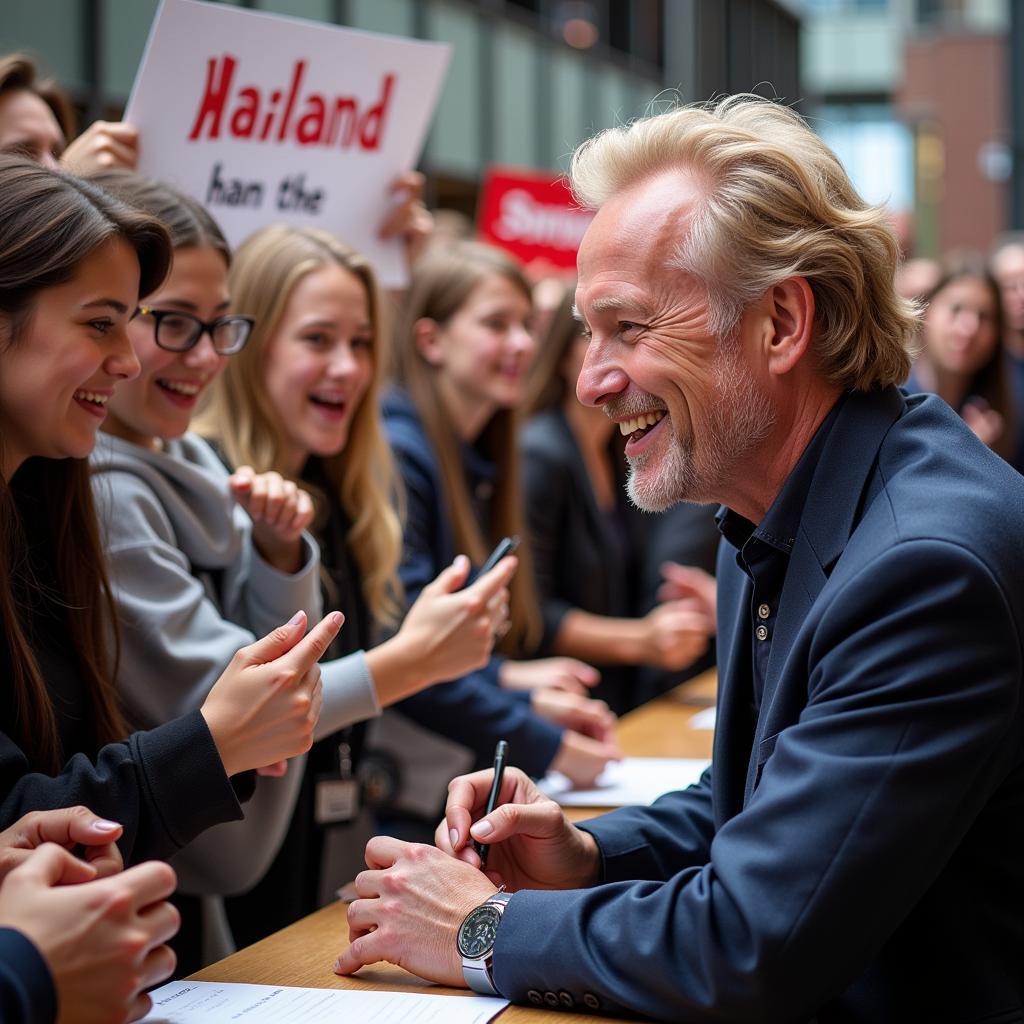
x=533, y=216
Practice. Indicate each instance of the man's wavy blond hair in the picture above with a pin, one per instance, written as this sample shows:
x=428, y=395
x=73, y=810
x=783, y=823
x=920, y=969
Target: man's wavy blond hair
x=776, y=203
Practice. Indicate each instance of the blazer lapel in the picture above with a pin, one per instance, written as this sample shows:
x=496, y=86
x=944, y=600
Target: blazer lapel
x=833, y=508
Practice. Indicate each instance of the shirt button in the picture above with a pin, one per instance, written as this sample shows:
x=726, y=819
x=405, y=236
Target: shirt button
x=762, y=632
x=566, y=999
x=535, y=997
x=763, y=611
x=590, y=1001
x=551, y=998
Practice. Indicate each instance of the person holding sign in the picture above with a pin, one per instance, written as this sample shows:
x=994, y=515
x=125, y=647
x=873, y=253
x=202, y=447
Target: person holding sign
x=72, y=264
x=462, y=351
x=201, y=560
x=36, y=121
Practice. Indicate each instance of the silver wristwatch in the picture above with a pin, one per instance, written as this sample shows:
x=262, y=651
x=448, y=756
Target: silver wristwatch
x=476, y=942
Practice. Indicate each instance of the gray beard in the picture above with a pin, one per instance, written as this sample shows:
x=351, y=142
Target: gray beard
x=741, y=419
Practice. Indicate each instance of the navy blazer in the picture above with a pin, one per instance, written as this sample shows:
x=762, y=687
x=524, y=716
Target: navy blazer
x=855, y=852
x=474, y=710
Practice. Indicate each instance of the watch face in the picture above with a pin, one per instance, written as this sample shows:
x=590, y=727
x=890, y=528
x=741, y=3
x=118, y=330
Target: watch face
x=476, y=935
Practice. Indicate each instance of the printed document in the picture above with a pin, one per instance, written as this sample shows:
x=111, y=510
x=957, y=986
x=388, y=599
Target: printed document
x=635, y=780
x=212, y=1002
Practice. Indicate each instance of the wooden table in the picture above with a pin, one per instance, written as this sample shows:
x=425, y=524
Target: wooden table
x=304, y=953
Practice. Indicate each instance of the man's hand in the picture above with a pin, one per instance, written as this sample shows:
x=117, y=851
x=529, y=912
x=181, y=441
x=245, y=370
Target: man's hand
x=102, y=940
x=279, y=510
x=411, y=903
x=103, y=146
x=560, y=673
x=67, y=827
x=533, y=845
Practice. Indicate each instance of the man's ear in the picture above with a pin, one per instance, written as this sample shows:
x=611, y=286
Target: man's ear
x=791, y=316
x=426, y=335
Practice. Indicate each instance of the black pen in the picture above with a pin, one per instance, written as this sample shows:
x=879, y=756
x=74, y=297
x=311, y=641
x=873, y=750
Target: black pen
x=500, y=755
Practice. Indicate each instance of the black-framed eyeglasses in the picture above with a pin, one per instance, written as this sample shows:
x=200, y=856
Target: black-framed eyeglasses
x=178, y=332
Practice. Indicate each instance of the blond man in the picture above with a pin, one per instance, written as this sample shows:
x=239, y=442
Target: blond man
x=854, y=852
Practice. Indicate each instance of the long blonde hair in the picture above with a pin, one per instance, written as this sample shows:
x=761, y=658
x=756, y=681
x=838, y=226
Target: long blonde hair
x=266, y=268
x=442, y=282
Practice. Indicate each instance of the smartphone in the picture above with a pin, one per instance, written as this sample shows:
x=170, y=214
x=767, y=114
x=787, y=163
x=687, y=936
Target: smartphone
x=503, y=548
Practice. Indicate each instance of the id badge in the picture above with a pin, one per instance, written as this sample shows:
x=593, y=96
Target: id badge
x=336, y=800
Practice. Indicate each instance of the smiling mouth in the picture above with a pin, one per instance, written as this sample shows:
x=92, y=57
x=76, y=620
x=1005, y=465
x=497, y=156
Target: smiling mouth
x=92, y=398
x=635, y=428
x=329, y=403
x=180, y=387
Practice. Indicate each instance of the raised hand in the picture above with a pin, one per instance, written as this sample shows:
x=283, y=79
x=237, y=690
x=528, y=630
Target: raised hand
x=103, y=146
x=987, y=424
x=533, y=845
x=67, y=827
x=103, y=940
x=279, y=509
x=264, y=707
x=677, y=634
x=693, y=586
x=451, y=631
x=409, y=219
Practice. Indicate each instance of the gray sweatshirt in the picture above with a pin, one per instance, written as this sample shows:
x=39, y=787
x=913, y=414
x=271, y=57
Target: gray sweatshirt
x=192, y=589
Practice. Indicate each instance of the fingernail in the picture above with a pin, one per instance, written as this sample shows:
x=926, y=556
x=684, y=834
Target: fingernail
x=337, y=966
x=453, y=835
x=461, y=561
x=296, y=618
x=102, y=825
x=482, y=828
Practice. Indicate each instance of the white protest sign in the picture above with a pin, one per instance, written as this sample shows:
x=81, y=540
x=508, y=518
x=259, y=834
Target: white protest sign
x=266, y=118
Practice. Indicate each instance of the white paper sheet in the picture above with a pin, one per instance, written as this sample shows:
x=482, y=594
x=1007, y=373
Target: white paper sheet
x=212, y=1002
x=636, y=780
x=704, y=719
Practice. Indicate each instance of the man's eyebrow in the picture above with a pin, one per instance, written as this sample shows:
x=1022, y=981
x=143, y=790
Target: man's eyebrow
x=118, y=307
x=613, y=303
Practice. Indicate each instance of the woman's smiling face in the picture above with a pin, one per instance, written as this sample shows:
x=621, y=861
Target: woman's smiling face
x=319, y=362
x=158, y=404
x=59, y=375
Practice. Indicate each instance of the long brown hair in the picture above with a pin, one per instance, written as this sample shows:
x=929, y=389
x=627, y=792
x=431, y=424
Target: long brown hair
x=50, y=223
x=546, y=387
x=238, y=414
x=442, y=281
x=989, y=382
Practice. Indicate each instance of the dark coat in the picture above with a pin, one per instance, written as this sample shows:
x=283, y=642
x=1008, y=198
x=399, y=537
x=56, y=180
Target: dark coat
x=854, y=853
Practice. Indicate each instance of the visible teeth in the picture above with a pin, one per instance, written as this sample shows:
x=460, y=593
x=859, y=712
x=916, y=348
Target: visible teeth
x=181, y=387
x=91, y=396
x=328, y=399
x=641, y=422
